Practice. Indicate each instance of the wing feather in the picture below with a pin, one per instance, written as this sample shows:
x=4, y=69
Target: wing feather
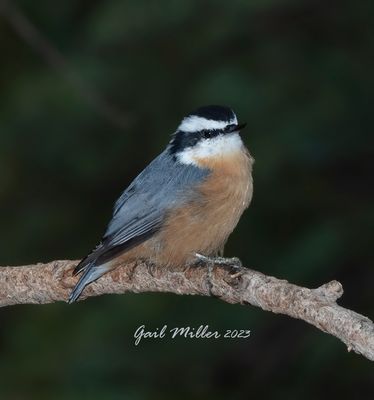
x=140, y=210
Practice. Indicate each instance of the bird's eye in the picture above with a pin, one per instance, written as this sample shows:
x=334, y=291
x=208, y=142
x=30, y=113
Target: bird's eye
x=229, y=128
x=207, y=134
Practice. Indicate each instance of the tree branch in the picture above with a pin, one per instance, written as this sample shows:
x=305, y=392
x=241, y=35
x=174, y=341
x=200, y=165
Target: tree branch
x=50, y=282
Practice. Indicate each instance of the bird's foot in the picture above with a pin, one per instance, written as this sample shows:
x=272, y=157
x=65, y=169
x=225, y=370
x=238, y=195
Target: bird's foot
x=233, y=264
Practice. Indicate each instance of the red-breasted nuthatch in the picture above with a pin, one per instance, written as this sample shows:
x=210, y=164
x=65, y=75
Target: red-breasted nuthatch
x=184, y=204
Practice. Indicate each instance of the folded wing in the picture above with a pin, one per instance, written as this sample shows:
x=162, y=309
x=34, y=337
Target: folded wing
x=141, y=209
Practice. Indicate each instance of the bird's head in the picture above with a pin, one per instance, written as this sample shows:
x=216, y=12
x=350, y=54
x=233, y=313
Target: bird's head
x=206, y=133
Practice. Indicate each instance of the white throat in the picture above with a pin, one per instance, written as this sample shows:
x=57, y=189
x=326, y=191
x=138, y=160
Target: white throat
x=217, y=147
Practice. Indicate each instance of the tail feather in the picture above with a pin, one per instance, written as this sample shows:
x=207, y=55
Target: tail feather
x=88, y=260
x=91, y=272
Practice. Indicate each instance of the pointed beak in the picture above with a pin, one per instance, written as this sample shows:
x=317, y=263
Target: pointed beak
x=235, y=128
x=239, y=127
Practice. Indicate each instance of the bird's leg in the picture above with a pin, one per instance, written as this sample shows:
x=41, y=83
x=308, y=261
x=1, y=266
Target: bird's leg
x=151, y=268
x=206, y=261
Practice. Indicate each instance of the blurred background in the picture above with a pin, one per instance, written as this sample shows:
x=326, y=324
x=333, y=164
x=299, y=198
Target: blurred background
x=91, y=91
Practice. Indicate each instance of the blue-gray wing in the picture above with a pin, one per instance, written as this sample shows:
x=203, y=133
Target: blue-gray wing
x=140, y=210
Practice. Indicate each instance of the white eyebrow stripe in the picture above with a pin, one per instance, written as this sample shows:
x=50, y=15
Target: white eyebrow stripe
x=195, y=124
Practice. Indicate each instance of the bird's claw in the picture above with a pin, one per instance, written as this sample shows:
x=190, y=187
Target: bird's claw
x=233, y=264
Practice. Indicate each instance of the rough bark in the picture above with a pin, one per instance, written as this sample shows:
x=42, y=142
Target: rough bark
x=50, y=282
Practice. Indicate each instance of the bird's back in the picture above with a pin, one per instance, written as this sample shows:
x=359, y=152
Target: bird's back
x=141, y=210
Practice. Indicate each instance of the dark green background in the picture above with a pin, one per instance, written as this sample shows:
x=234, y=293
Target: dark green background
x=300, y=73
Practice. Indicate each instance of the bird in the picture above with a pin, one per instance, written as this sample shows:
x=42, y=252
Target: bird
x=184, y=205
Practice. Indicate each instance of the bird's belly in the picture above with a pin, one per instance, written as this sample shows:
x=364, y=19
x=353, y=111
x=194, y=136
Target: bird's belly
x=204, y=224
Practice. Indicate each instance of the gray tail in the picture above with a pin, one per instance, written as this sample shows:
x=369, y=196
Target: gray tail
x=90, y=274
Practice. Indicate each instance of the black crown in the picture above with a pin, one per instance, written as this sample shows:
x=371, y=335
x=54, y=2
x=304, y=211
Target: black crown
x=216, y=113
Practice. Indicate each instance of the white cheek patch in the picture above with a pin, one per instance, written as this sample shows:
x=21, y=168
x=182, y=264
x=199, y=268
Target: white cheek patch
x=219, y=146
x=195, y=124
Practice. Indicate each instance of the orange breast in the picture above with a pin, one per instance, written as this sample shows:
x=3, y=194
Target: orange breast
x=204, y=225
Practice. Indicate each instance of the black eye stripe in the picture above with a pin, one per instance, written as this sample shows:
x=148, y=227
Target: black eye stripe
x=182, y=139
x=209, y=133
